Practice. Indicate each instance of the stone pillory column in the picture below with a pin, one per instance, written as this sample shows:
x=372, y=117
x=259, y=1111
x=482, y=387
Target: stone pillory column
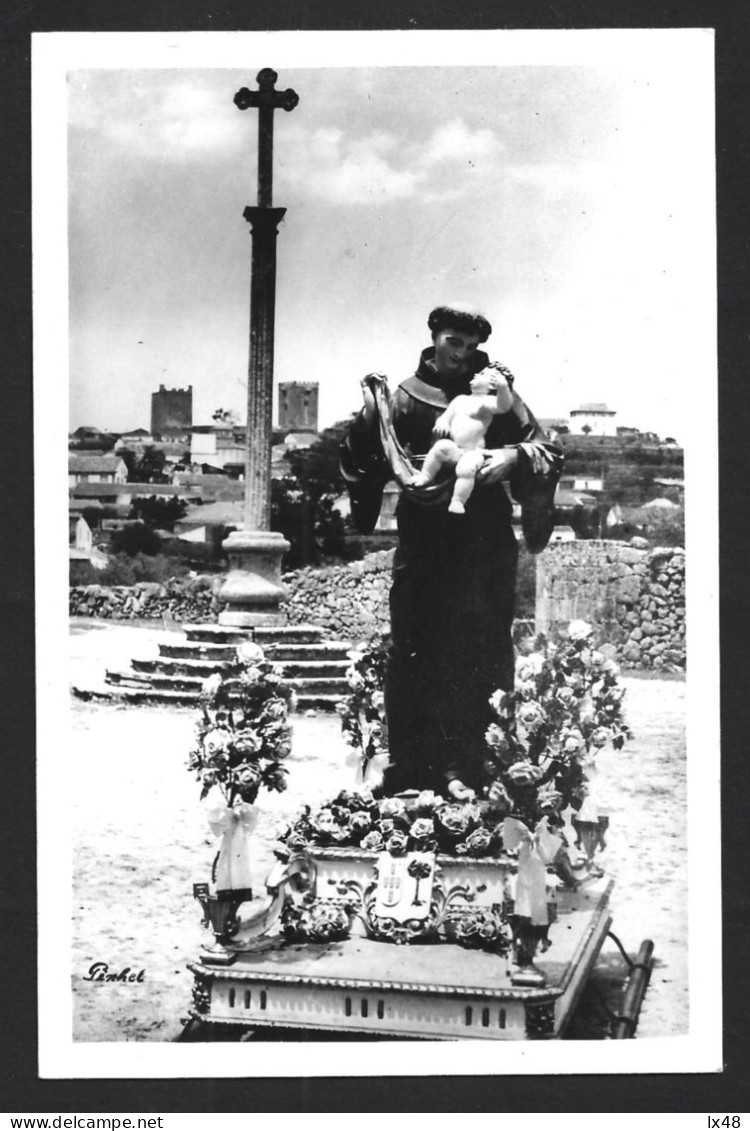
x=253, y=586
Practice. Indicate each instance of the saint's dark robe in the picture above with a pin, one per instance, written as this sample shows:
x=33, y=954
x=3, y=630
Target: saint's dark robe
x=454, y=576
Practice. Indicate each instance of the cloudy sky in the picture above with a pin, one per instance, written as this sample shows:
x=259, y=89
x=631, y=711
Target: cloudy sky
x=570, y=199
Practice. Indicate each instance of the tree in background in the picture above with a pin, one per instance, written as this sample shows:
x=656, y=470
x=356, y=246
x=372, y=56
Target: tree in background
x=129, y=458
x=101, y=442
x=224, y=416
x=95, y=514
x=158, y=512
x=664, y=527
x=660, y=526
x=150, y=467
x=329, y=528
x=290, y=517
x=302, y=504
x=137, y=538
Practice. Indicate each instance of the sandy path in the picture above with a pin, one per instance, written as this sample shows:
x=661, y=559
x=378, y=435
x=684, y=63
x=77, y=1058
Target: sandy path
x=136, y=863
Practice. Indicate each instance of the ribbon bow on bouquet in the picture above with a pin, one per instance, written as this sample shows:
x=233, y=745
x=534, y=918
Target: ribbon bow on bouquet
x=535, y=851
x=234, y=824
x=589, y=810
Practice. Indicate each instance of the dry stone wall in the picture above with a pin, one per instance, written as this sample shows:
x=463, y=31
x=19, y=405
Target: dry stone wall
x=189, y=600
x=350, y=601
x=634, y=597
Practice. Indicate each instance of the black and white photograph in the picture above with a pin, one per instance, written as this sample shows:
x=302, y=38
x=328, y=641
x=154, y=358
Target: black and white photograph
x=385, y=659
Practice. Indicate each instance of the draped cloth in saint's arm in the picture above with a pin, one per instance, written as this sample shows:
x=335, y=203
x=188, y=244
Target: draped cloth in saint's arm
x=365, y=470
x=372, y=454
x=402, y=468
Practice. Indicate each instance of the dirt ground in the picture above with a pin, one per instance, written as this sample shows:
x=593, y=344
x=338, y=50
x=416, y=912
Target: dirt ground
x=136, y=862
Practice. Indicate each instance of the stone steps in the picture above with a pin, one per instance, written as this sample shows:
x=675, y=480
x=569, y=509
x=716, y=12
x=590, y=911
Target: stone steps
x=290, y=669
x=310, y=669
x=314, y=667
x=202, y=668
x=290, y=633
x=147, y=695
x=169, y=682
x=221, y=634
x=217, y=653
x=327, y=650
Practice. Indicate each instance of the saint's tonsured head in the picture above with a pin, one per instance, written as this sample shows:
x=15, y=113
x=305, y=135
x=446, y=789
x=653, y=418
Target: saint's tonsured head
x=461, y=319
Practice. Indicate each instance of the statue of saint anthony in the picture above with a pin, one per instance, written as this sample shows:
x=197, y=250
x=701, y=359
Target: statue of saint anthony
x=454, y=574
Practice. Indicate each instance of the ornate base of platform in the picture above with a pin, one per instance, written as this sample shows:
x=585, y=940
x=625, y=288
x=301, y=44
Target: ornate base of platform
x=430, y=990
x=486, y=879
x=217, y=956
x=253, y=588
x=437, y=992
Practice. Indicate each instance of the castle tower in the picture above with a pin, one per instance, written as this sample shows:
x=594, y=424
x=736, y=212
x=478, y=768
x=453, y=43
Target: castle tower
x=172, y=413
x=298, y=406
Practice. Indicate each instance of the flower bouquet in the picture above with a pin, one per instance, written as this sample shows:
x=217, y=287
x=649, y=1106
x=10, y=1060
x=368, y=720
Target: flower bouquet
x=242, y=739
x=363, y=722
x=478, y=928
x=565, y=707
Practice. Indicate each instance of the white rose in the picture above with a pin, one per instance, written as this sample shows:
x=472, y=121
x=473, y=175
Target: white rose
x=216, y=741
x=249, y=653
x=211, y=685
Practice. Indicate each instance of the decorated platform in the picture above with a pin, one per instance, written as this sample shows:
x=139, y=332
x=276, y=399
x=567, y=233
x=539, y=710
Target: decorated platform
x=437, y=990
x=420, y=915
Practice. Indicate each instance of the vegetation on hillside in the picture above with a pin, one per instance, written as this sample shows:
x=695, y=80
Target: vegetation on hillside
x=302, y=504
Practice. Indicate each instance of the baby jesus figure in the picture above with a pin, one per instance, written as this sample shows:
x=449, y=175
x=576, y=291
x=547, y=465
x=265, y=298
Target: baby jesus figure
x=463, y=427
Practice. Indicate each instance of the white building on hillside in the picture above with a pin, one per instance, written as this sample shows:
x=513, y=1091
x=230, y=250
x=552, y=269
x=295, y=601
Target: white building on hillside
x=84, y=467
x=594, y=420
x=220, y=445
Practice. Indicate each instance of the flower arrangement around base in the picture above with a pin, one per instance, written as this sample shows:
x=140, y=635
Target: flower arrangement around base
x=317, y=920
x=423, y=823
x=565, y=706
x=479, y=928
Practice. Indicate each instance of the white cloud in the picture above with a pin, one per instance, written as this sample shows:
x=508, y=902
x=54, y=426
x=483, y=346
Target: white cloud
x=454, y=141
x=339, y=169
x=180, y=123
x=328, y=165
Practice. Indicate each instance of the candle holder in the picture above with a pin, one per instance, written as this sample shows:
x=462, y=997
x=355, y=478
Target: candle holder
x=220, y=910
x=590, y=839
x=528, y=938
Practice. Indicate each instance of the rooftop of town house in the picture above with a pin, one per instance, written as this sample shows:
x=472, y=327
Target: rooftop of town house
x=97, y=490
x=90, y=430
x=224, y=512
x=661, y=504
x=88, y=462
x=299, y=439
x=594, y=407
x=565, y=498
x=211, y=487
